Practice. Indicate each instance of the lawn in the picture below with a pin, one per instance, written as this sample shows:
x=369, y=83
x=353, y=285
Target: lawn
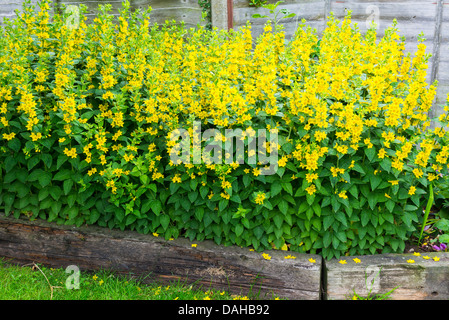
x=36, y=282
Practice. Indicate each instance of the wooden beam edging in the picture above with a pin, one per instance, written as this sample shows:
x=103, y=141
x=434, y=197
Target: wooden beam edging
x=417, y=279
x=232, y=268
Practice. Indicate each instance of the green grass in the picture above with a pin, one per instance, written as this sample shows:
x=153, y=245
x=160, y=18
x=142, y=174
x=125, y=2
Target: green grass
x=36, y=282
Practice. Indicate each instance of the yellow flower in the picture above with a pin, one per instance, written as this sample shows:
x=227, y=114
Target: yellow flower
x=260, y=198
x=311, y=260
x=343, y=194
x=410, y=261
x=412, y=190
x=311, y=189
x=155, y=234
x=100, y=282
x=266, y=256
x=426, y=257
x=310, y=177
x=342, y=262
x=289, y=257
x=176, y=178
x=381, y=154
x=70, y=152
x=418, y=173
x=194, y=245
x=356, y=260
x=417, y=254
x=95, y=277
x=436, y=258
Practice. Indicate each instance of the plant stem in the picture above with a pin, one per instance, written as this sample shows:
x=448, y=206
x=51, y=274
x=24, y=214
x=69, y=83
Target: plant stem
x=426, y=214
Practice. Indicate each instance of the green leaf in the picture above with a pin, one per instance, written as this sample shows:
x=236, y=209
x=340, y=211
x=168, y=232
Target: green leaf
x=372, y=201
x=46, y=159
x=63, y=175
x=46, y=203
x=130, y=219
x=278, y=221
x=390, y=204
x=14, y=144
x=328, y=221
x=403, y=194
x=60, y=161
x=317, y=209
x=370, y=153
x=275, y=189
x=246, y=180
x=199, y=213
x=238, y=230
x=287, y=186
x=204, y=191
x=35, y=174
x=341, y=235
x=32, y=162
x=72, y=212
x=364, y=218
x=55, y=192
x=67, y=186
x=283, y=206
x=43, y=193
x=375, y=180
x=165, y=221
x=192, y=196
x=222, y=204
x=156, y=206
x=44, y=179
x=442, y=224
x=444, y=238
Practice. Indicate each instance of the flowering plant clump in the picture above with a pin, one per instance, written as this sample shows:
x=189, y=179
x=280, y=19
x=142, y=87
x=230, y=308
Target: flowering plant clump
x=87, y=112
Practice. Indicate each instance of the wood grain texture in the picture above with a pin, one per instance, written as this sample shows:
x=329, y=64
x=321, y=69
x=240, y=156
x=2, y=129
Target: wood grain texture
x=187, y=11
x=422, y=280
x=227, y=268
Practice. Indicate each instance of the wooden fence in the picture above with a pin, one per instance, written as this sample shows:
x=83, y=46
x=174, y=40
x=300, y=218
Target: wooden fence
x=431, y=17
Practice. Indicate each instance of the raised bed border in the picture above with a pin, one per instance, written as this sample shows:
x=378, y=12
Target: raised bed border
x=237, y=270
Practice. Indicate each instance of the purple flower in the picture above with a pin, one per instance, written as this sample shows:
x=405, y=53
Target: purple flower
x=442, y=246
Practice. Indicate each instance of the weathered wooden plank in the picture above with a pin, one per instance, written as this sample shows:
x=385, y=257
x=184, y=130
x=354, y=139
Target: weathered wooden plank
x=8, y=8
x=443, y=64
x=421, y=280
x=179, y=10
x=312, y=11
x=229, y=268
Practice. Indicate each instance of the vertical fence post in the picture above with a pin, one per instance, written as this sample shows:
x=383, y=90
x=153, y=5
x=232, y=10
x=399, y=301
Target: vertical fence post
x=219, y=13
x=436, y=50
x=327, y=10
